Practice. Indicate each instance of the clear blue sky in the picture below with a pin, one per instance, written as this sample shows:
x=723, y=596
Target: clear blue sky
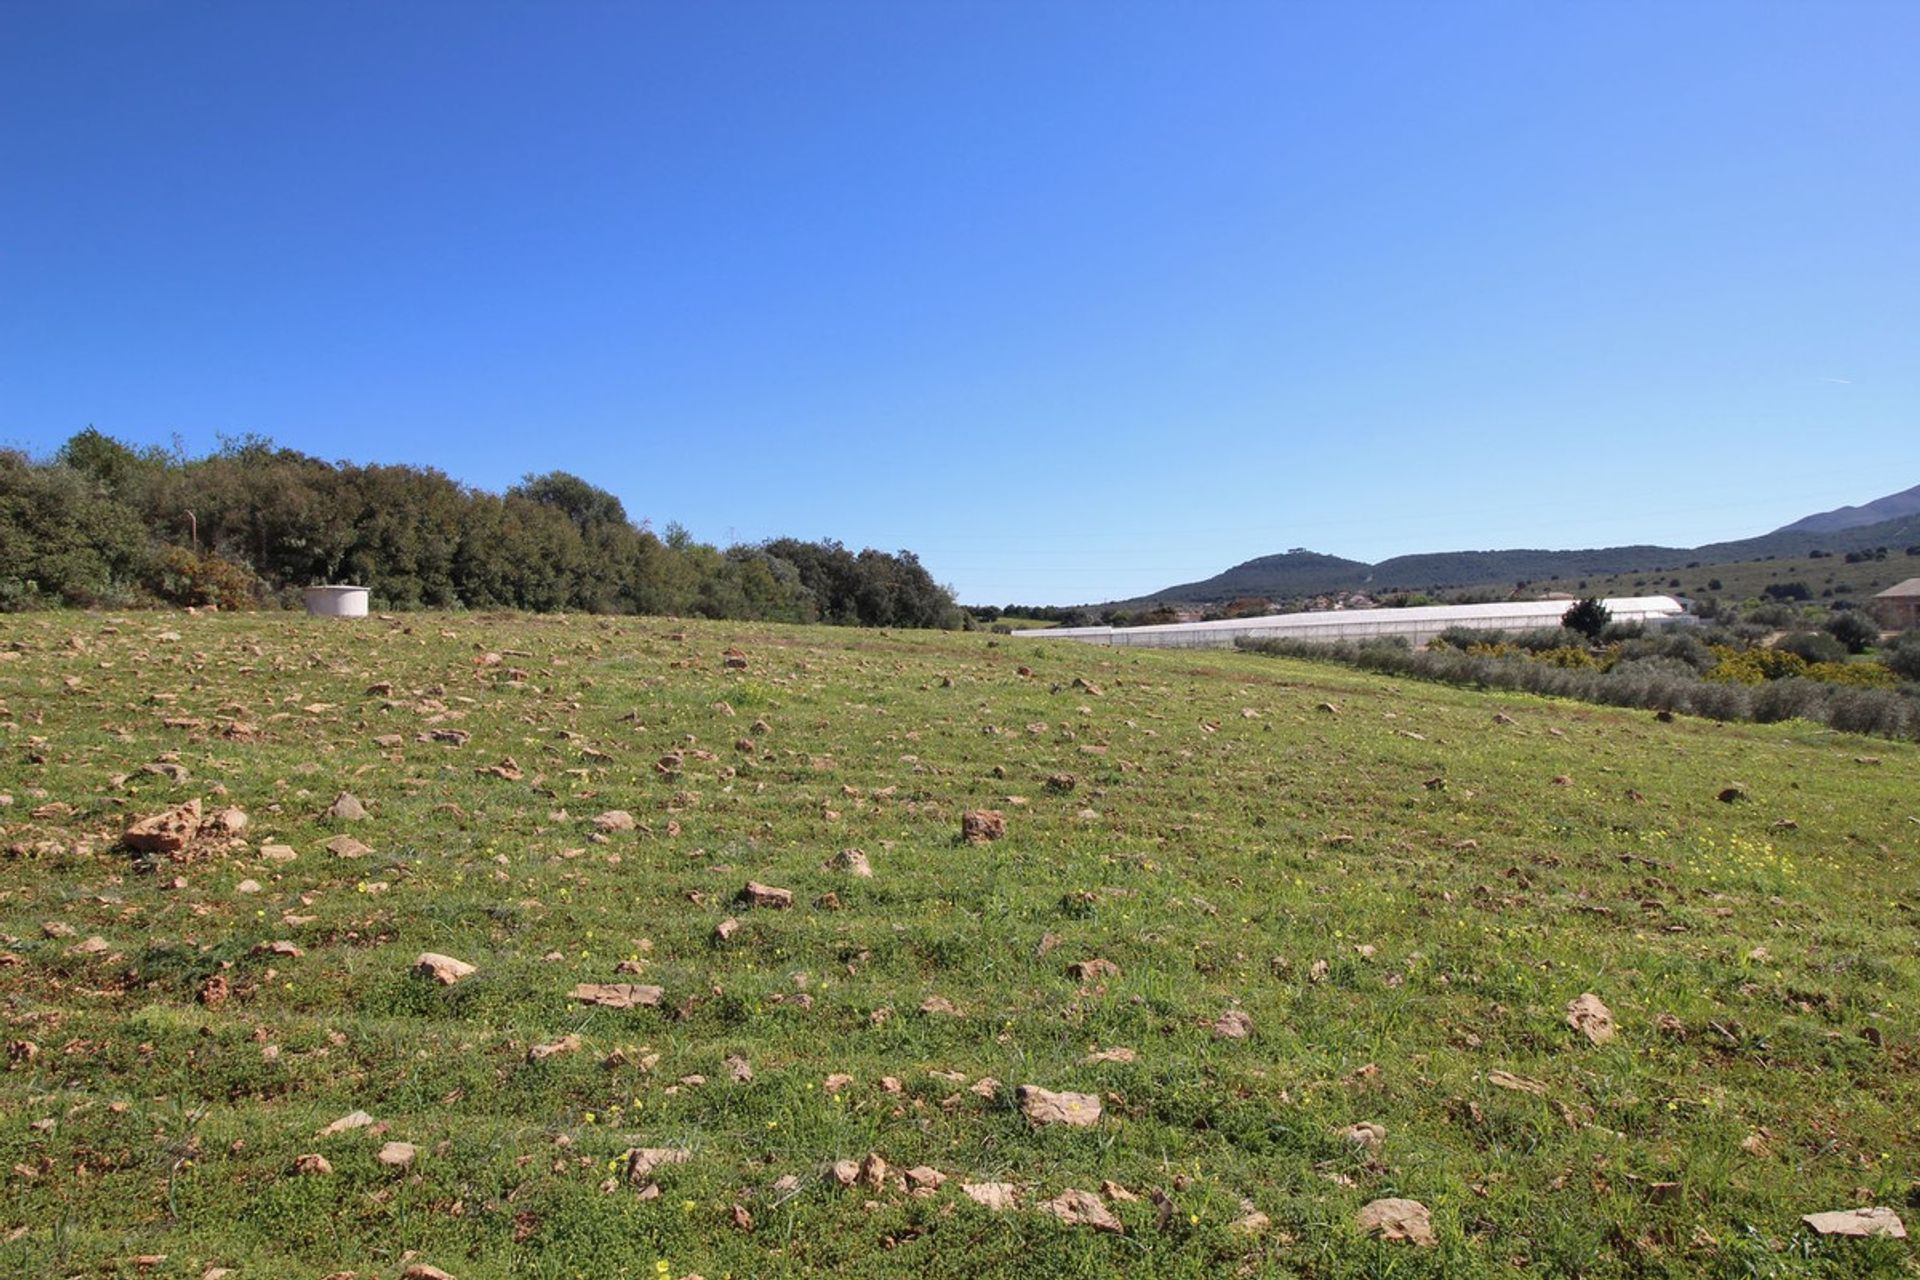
x=1076, y=300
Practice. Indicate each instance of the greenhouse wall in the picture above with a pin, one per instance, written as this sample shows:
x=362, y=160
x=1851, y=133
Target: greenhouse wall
x=1416, y=626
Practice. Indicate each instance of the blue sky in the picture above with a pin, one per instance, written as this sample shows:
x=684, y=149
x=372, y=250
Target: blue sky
x=1075, y=300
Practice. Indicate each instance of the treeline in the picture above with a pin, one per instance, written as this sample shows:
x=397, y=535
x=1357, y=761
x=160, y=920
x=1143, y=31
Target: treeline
x=104, y=524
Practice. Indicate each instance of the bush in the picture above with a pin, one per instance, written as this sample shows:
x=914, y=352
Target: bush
x=181, y=577
x=1857, y=632
x=1902, y=657
x=1813, y=646
x=1459, y=637
x=1788, y=591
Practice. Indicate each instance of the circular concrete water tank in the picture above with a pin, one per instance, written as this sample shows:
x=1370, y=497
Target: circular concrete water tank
x=337, y=602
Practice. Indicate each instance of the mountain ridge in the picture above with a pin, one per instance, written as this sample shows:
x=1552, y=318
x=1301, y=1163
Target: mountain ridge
x=1301, y=572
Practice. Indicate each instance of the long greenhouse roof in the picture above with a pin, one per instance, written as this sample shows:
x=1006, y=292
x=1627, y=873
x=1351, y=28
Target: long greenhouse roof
x=1521, y=612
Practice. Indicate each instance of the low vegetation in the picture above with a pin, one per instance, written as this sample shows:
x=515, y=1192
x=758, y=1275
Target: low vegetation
x=516, y=946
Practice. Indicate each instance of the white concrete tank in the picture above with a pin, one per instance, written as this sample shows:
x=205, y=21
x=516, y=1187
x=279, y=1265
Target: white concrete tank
x=337, y=602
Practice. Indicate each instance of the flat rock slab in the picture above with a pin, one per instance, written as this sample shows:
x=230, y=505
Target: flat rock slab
x=1043, y=1106
x=1858, y=1222
x=1591, y=1018
x=992, y=1195
x=444, y=970
x=168, y=832
x=617, y=995
x=766, y=895
x=1079, y=1208
x=1394, y=1219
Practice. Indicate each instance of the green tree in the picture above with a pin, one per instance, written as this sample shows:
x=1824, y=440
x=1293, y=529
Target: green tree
x=1589, y=617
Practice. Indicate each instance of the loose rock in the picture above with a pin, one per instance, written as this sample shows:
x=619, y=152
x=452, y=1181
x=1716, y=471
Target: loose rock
x=1587, y=1015
x=346, y=807
x=1857, y=1222
x=554, y=1048
x=1233, y=1025
x=1044, y=1107
x=1002, y=1196
x=765, y=895
x=444, y=970
x=980, y=826
x=1394, y=1219
x=167, y=833
x=1079, y=1208
x=617, y=995
x=397, y=1155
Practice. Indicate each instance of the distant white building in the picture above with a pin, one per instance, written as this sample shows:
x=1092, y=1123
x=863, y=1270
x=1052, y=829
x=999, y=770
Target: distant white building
x=1416, y=625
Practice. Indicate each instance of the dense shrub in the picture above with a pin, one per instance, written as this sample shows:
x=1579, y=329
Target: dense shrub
x=1902, y=657
x=1649, y=682
x=182, y=577
x=1854, y=630
x=1813, y=646
x=101, y=523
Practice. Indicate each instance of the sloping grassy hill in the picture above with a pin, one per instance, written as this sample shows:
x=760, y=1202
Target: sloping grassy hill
x=1395, y=891
x=1303, y=573
x=1827, y=577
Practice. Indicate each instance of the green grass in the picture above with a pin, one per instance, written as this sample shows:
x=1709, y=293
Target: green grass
x=1225, y=842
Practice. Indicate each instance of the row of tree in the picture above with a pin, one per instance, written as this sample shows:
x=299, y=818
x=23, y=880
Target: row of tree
x=104, y=524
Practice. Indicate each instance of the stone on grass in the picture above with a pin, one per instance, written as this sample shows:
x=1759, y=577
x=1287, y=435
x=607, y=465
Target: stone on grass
x=642, y=1161
x=346, y=807
x=312, y=1165
x=854, y=863
x=421, y=1271
x=1517, y=1084
x=1043, y=1106
x=1857, y=1222
x=230, y=821
x=616, y=995
x=1395, y=1219
x=992, y=1195
x=554, y=1048
x=615, y=820
x=1079, y=1208
x=347, y=847
x=397, y=1155
x=167, y=833
x=1364, y=1134
x=1591, y=1018
x=1251, y=1221
x=1089, y=970
x=1112, y=1055
x=444, y=970
x=980, y=826
x=765, y=895
x=1233, y=1025
x=351, y=1120
x=940, y=1005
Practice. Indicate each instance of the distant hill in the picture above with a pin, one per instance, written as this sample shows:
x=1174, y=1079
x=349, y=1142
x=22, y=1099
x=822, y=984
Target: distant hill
x=1300, y=572
x=1892, y=507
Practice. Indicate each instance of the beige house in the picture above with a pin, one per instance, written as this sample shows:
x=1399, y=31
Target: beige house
x=1899, y=605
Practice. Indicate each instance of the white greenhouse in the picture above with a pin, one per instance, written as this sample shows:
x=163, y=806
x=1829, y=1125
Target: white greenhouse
x=1416, y=625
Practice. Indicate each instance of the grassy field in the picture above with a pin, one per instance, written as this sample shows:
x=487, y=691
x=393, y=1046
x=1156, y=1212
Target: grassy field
x=1395, y=890
x=1829, y=578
